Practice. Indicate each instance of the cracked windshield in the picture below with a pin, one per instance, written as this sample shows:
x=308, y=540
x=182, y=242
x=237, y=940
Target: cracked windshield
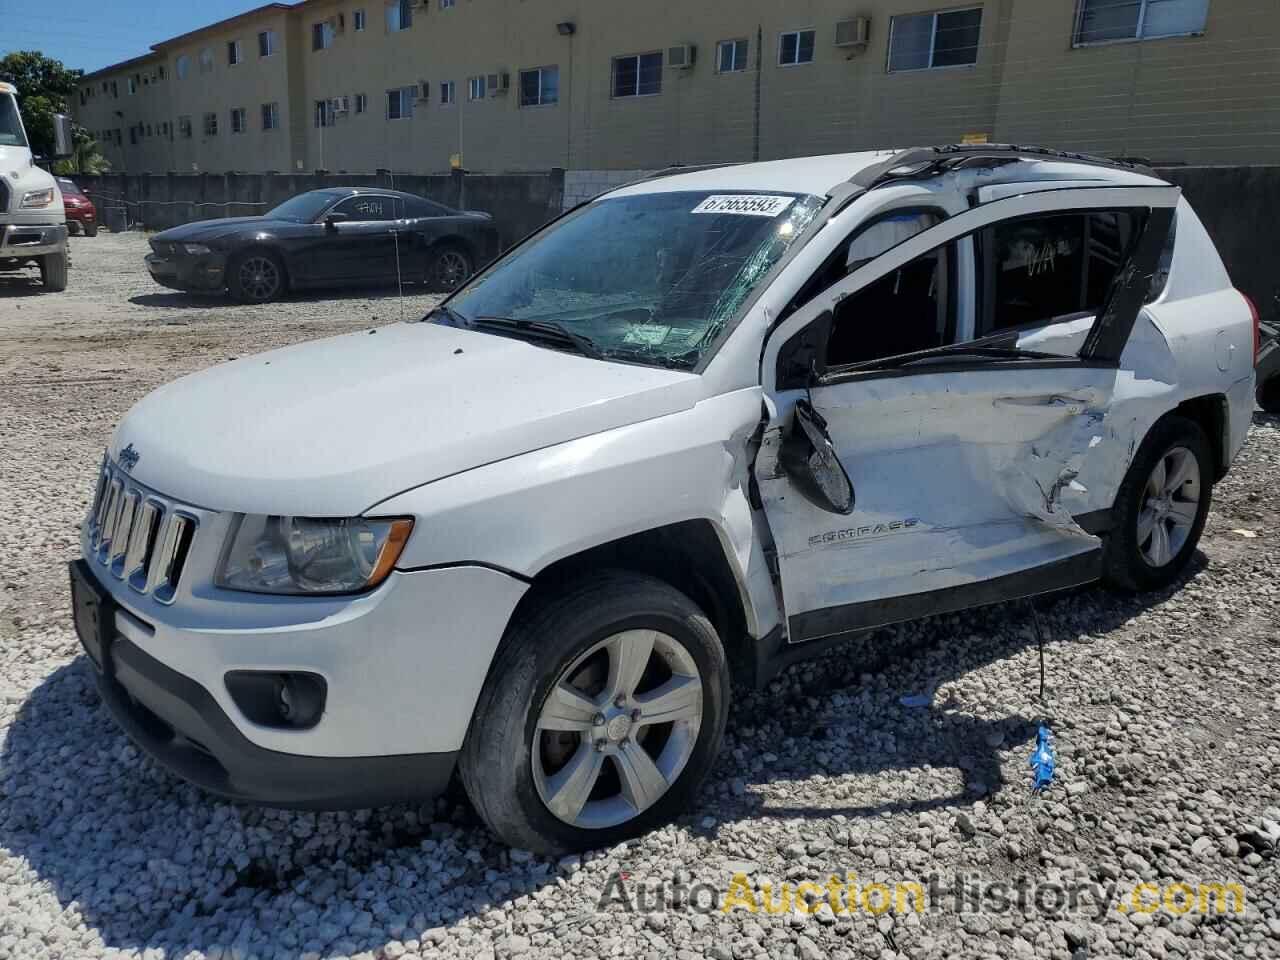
x=648, y=279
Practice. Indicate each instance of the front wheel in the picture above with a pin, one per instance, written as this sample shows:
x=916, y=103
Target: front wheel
x=54, y=268
x=1268, y=394
x=1161, y=508
x=256, y=277
x=603, y=711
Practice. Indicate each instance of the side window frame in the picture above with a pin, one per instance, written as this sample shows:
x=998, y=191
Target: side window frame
x=984, y=309
x=1105, y=341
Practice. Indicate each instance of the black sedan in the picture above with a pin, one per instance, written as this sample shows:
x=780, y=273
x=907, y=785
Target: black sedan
x=337, y=237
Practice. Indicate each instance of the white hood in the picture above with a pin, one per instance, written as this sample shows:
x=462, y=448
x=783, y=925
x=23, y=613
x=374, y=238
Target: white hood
x=331, y=427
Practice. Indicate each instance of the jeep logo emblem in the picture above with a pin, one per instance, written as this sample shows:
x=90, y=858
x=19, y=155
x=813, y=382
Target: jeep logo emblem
x=129, y=458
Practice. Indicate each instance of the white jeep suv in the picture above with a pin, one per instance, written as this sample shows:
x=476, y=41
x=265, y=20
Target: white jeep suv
x=709, y=423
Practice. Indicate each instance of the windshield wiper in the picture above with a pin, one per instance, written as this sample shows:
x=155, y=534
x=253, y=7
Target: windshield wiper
x=953, y=350
x=546, y=333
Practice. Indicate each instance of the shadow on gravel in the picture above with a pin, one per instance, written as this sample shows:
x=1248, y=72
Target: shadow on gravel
x=150, y=862
x=176, y=300
x=11, y=286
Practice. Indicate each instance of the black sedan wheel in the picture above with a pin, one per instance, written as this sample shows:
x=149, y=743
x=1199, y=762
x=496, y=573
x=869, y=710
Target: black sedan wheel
x=448, y=269
x=256, y=277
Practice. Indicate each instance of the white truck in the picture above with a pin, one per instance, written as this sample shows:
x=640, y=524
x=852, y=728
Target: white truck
x=710, y=423
x=33, y=221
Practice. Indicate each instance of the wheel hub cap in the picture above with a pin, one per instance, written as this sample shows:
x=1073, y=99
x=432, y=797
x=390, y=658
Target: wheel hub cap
x=617, y=729
x=1170, y=505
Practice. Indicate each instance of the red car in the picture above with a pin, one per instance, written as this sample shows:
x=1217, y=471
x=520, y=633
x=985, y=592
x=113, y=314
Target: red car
x=80, y=209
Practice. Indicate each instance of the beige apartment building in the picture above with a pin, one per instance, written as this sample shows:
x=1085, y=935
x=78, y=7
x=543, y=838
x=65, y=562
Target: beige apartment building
x=416, y=86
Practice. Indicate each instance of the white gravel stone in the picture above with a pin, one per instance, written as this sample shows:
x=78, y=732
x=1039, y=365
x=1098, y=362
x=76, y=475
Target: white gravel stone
x=1163, y=706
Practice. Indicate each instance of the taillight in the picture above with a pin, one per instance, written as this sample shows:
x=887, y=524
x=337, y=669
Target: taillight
x=1257, y=326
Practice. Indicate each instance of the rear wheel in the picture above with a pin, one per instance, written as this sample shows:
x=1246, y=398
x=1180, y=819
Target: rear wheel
x=256, y=277
x=91, y=229
x=448, y=267
x=1161, y=508
x=601, y=715
x=54, y=268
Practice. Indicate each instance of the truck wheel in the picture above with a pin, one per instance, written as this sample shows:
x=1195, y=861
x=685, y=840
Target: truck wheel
x=53, y=271
x=256, y=277
x=603, y=711
x=1268, y=394
x=91, y=229
x=1161, y=507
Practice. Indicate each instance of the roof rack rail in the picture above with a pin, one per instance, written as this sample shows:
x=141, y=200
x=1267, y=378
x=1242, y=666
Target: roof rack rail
x=923, y=162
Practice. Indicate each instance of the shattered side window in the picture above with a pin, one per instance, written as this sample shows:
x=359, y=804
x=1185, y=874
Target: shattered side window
x=1160, y=279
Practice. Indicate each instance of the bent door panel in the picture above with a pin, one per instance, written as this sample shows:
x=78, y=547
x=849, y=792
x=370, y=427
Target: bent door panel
x=966, y=469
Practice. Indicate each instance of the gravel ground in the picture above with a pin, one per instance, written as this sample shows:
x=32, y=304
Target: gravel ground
x=1166, y=712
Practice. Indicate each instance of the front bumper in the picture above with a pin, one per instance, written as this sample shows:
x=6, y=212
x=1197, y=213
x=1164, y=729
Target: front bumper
x=22, y=241
x=202, y=274
x=403, y=667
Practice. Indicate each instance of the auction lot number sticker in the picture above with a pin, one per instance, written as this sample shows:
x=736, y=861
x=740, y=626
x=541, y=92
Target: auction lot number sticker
x=749, y=204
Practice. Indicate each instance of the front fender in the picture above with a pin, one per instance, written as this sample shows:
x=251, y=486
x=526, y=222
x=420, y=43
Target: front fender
x=527, y=512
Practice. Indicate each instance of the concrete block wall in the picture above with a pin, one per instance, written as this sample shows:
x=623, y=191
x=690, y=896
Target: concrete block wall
x=583, y=185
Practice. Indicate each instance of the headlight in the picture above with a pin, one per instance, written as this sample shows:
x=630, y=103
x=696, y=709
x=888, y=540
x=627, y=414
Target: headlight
x=196, y=249
x=37, y=198
x=298, y=555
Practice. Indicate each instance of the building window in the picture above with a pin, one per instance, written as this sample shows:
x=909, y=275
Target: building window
x=446, y=92
x=115, y=89
x=133, y=85
x=447, y=4
x=324, y=113
x=400, y=15
x=731, y=56
x=133, y=136
x=321, y=36
x=475, y=88
x=270, y=116
x=183, y=65
x=210, y=124
x=238, y=123
x=357, y=20
x=539, y=86
x=160, y=72
x=1103, y=21
x=362, y=103
x=233, y=52
x=266, y=43
x=184, y=127
x=638, y=75
x=795, y=47
x=925, y=40
x=206, y=60
x=400, y=103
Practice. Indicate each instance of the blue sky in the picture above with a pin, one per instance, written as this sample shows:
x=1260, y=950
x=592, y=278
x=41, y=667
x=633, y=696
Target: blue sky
x=90, y=34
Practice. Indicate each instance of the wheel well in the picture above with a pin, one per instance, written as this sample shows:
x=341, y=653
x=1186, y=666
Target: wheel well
x=453, y=240
x=1211, y=413
x=687, y=555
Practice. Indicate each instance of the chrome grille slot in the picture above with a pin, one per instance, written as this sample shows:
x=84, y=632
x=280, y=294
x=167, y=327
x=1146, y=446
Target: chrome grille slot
x=124, y=528
x=172, y=556
x=141, y=544
x=140, y=536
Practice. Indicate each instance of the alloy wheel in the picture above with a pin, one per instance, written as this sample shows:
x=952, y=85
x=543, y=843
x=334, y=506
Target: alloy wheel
x=617, y=729
x=1171, y=501
x=451, y=269
x=259, y=277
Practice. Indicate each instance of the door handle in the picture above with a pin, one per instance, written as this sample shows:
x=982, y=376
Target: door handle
x=1057, y=401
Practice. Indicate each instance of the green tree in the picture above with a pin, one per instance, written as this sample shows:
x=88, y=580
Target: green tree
x=46, y=87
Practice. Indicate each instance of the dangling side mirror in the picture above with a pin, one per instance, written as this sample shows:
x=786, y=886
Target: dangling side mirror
x=809, y=458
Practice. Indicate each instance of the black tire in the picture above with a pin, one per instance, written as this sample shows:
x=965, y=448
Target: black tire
x=1124, y=564
x=496, y=764
x=91, y=229
x=449, y=265
x=1268, y=394
x=249, y=285
x=54, y=268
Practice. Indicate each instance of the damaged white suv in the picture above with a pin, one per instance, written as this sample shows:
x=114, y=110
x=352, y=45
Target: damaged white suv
x=709, y=423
